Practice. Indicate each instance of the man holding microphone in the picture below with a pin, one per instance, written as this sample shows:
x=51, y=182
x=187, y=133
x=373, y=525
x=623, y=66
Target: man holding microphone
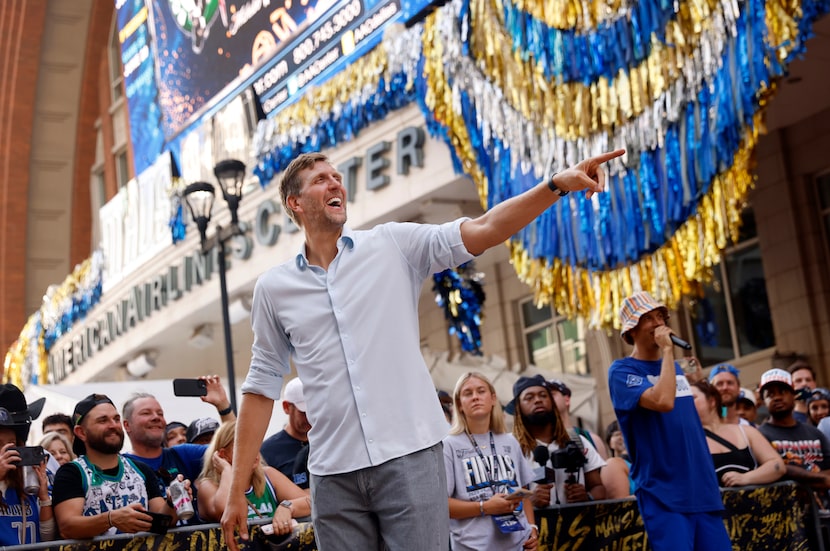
x=677, y=489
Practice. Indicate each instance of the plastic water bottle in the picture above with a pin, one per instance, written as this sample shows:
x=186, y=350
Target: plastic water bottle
x=181, y=500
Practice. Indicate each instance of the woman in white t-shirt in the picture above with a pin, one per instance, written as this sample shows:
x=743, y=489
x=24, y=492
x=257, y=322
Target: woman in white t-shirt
x=485, y=467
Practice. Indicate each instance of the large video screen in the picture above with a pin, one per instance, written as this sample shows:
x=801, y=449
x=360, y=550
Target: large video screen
x=184, y=57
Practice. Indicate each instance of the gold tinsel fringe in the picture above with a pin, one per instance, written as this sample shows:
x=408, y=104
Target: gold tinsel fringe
x=675, y=270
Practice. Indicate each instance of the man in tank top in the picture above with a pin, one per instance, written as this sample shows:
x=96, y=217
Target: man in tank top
x=104, y=492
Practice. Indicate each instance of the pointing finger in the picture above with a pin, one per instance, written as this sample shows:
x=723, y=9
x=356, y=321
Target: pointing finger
x=604, y=157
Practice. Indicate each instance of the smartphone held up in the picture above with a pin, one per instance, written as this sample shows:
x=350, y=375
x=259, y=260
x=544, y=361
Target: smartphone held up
x=189, y=387
x=30, y=455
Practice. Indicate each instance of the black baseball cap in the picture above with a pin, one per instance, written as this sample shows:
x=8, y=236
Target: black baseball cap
x=81, y=409
x=522, y=384
x=201, y=427
x=556, y=384
x=174, y=425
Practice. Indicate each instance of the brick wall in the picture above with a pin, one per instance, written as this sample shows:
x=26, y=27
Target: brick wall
x=21, y=27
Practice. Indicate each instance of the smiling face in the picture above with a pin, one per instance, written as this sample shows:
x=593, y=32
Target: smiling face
x=146, y=424
x=728, y=386
x=58, y=450
x=818, y=409
x=320, y=204
x=101, y=429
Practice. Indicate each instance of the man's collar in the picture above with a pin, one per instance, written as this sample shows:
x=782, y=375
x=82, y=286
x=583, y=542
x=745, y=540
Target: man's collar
x=346, y=239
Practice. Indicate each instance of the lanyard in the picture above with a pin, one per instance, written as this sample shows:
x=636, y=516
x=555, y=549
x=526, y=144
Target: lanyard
x=484, y=464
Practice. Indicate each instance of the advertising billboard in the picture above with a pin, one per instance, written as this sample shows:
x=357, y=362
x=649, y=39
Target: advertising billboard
x=183, y=58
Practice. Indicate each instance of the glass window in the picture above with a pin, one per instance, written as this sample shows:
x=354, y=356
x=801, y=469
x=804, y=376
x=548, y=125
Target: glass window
x=552, y=342
x=732, y=318
x=99, y=188
x=116, y=72
x=122, y=169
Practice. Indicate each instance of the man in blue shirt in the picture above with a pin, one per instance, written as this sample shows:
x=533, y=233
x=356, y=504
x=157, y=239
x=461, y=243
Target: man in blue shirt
x=146, y=428
x=677, y=489
x=345, y=310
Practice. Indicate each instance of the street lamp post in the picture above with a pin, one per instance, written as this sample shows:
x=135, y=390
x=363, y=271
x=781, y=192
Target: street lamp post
x=200, y=197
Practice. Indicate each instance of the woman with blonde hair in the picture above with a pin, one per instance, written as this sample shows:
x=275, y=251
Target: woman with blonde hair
x=271, y=493
x=486, y=474
x=58, y=446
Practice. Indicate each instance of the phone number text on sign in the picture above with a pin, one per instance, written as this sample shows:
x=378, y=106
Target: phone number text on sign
x=328, y=30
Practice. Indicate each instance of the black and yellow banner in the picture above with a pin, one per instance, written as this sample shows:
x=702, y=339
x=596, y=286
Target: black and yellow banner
x=757, y=518
x=207, y=537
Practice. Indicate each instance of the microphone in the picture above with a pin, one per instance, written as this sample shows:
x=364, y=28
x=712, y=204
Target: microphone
x=543, y=474
x=680, y=342
x=541, y=455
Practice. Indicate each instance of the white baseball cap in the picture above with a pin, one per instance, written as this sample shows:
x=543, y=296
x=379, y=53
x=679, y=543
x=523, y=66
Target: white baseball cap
x=293, y=394
x=778, y=376
x=747, y=394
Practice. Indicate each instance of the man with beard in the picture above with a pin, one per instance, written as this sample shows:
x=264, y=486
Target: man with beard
x=146, y=427
x=726, y=379
x=803, y=447
x=677, y=489
x=573, y=470
x=103, y=492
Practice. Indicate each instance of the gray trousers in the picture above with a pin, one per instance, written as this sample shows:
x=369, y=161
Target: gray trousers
x=400, y=505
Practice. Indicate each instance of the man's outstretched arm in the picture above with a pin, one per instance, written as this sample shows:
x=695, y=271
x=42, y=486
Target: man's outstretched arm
x=502, y=221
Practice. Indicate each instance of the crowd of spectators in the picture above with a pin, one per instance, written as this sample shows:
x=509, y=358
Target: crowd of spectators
x=97, y=490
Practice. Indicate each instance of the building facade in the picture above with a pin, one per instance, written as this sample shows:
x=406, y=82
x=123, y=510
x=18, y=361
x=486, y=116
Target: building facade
x=82, y=195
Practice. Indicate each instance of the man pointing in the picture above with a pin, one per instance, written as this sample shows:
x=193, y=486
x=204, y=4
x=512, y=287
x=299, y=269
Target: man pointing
x=345, y=309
